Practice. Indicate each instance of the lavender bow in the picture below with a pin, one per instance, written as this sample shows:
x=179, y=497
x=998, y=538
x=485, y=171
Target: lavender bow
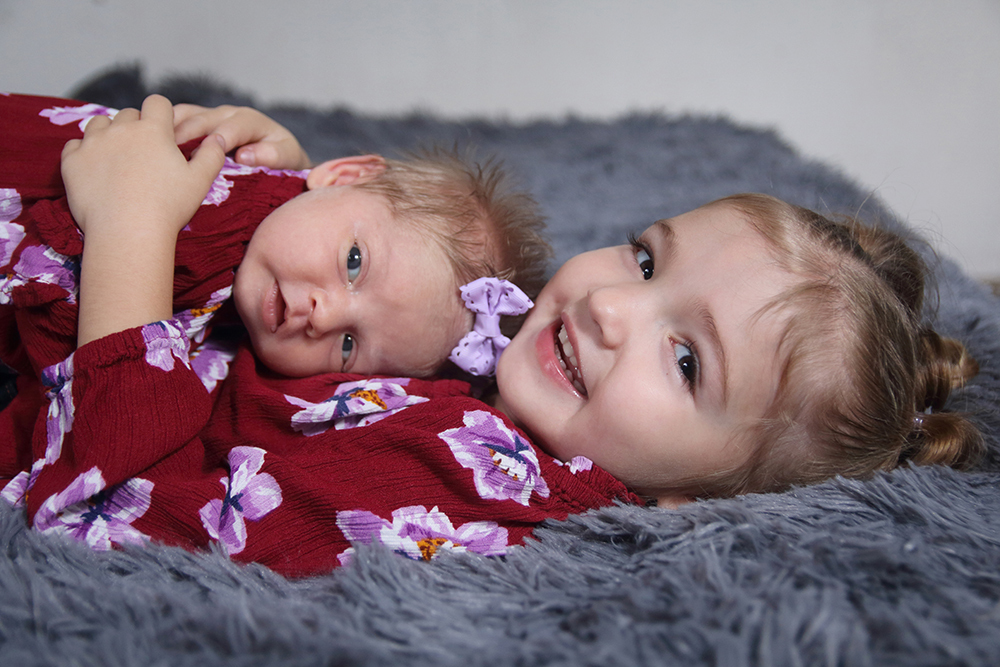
x=488, y=298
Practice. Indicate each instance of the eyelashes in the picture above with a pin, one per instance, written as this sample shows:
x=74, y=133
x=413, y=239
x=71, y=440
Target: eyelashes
x=643, y=255
x=687, y=363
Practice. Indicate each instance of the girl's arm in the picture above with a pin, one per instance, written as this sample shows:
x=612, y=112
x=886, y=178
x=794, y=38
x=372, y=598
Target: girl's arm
x=262, y=142
x=131, y=191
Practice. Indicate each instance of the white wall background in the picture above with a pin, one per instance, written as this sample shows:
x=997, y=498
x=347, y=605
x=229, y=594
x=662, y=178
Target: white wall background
x=903, y=95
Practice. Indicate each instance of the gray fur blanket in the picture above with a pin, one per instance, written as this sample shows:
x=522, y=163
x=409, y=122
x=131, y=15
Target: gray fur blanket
x=902, y=569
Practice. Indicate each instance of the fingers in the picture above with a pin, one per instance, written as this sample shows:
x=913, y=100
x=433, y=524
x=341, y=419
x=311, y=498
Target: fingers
x=184, y=111
x=158, y=108
x=275, y=154
x=262, y=142
x=192, y=121
x=208, y=158
x=72, y=146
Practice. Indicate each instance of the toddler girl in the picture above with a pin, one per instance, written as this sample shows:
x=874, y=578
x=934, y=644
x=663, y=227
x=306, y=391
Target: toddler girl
x=745, y=346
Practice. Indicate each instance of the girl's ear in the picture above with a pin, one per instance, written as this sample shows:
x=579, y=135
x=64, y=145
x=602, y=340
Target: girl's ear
x=345, y=171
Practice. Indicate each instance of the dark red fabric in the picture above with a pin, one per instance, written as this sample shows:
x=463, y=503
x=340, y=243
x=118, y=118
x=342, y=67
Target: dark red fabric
x=130, y=438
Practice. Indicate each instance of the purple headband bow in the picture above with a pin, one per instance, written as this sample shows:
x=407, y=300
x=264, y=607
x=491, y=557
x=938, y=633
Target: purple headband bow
x=488, y=298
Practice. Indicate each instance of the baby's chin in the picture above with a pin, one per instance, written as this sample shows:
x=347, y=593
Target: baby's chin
x=280, y=365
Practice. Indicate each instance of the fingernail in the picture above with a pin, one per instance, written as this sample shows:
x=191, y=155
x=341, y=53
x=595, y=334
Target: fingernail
x=247, y=156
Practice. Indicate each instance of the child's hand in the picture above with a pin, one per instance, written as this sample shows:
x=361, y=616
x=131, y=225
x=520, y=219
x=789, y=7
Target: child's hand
x=128, y=171
x=262, y=141
x=131, y=191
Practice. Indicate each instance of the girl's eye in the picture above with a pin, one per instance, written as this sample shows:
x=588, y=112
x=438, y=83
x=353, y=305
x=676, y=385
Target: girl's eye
x=346, y=349
x=643, y=257
x=353, y=263
x=645, y=263
x=687, y=361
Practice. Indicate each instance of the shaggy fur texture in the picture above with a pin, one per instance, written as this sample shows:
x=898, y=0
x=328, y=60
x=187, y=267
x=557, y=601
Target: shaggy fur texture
x=902, y=569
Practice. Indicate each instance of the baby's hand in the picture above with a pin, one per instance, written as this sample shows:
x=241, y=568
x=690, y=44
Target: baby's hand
x=262, y=141
x=128, y=171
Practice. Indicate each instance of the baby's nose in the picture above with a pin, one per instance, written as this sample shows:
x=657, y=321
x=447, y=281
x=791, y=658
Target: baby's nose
x=328, y=313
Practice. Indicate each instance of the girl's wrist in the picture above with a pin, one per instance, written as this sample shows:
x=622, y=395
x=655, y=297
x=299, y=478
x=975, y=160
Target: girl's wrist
x=126, y=278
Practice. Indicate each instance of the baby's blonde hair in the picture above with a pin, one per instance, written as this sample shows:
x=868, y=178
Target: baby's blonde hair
x=863, y=382
x=474, y=212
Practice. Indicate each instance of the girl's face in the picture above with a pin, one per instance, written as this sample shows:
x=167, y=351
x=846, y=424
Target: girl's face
x=650, y=358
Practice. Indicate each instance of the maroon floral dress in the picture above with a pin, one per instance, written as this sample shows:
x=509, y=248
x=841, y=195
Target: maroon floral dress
x=173, y=433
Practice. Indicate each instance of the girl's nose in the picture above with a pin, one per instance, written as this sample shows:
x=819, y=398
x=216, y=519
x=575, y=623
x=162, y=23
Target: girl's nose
x=614, y=310
x=327, y=313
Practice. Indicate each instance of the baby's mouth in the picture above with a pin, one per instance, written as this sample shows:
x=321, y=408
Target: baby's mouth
x=568, y=361
x=278, y=305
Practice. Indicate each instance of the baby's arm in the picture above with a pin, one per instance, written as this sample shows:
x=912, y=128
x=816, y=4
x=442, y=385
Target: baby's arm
x=131, y=191
x=262, y=141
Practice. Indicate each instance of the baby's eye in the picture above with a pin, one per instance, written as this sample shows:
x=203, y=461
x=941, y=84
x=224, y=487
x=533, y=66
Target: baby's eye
x=687, y=361
x=346, y=349
x=353, y=263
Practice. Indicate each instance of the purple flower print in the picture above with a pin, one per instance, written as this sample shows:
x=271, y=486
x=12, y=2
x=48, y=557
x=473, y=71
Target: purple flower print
x=88, y=512
x=576, y=464
x=194, y=320
x=16, y=490
x=165, y=342
x=354, y=404
x=42, y=264
x=504, y=465
x=211, y=362
x=250, y=494
x=58, y=380
x=421, y=535
x=11, y=234
x=219, y=192
x=81, y=114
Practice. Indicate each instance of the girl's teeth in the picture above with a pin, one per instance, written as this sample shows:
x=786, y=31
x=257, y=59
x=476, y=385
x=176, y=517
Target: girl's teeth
x=572, y=368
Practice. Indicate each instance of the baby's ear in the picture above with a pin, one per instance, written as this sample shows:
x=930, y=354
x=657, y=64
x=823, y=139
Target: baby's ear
x=345, y=171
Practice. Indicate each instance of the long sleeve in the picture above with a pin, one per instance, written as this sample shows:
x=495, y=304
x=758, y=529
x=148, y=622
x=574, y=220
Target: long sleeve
x=118, y=408
x=40, y=246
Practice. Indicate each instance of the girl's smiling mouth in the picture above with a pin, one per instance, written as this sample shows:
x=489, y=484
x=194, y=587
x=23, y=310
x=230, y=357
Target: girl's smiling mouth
x=567, y=359
x=558, y=360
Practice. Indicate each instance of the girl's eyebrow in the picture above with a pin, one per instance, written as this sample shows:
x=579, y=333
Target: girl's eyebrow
x=667, y=243
x=707, y=324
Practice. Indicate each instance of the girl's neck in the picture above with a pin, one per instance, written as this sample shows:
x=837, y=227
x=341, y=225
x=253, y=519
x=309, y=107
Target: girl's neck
x=496, y=400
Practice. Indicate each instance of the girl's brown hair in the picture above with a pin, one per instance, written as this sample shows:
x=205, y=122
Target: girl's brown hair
x=864, y=382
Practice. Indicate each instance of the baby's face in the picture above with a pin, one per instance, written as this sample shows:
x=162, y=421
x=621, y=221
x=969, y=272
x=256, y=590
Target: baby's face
x=332, y=282
x=649, y=360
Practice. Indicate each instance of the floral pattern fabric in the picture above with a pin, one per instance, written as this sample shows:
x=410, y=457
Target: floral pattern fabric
x=504, y=464
x=89, y=512
x=250, y=495
x=353, y=404
x=172, y=432
x=419, y=534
